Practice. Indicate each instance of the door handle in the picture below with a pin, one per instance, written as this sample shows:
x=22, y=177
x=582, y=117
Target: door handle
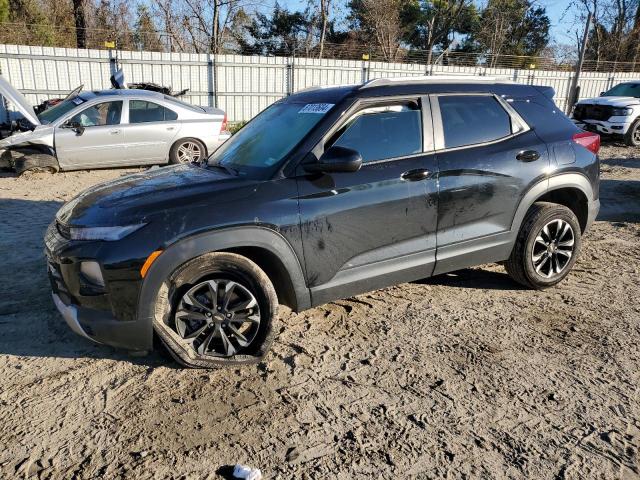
x=171, y=128
x=528, y=156
x=415, y=174
x=114, y=132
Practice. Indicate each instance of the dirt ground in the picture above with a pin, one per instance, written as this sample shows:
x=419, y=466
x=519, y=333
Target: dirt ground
x=460, y=376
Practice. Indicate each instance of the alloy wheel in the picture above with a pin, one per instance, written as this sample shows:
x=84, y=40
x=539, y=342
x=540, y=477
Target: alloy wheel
x=189, y=152
x=636, y=134
x=218, y=317
x=553, y=248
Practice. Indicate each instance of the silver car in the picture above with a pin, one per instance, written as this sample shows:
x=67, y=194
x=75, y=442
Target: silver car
x=110, y=128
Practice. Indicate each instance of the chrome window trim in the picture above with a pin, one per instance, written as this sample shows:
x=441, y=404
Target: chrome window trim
x=438, y=129
x=363, y=103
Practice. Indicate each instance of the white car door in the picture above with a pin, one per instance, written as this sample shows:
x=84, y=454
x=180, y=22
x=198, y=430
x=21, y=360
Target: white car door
x=92, y=138
x=150, y=132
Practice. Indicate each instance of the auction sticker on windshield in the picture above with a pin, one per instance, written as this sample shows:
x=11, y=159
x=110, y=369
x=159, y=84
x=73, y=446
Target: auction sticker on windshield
x=316, y=108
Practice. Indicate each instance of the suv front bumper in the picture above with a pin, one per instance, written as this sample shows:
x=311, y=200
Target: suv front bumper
x=619, y=125
x=107, y=317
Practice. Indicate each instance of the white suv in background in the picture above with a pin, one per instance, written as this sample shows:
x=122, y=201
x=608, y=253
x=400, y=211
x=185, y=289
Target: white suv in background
x=615, y=112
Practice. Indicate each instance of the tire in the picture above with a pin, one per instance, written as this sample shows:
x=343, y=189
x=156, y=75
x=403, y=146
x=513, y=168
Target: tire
x=527, y=264
x=632, y=137
x=186, y=306
x=187, y=150
x=35, y=162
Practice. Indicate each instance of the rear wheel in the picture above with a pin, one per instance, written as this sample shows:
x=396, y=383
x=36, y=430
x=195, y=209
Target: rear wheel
x=187, y=150
x=632, y=137
x=546, y=247
x=217, y=309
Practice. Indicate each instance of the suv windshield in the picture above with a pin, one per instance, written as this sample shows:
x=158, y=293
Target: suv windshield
x=54, y=113
x=624, y=90
x=269, y=137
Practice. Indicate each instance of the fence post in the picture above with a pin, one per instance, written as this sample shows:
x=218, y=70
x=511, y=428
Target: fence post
x=290, y=73
x=113, y=61
x=366, y=66
x=211, y=78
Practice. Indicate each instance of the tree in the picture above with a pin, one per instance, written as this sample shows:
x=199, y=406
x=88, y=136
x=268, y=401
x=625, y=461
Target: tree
x=511, y=27
x=325, y=5
x=380, y=23
x=282, y=33
x=615, y=36
x=145, y=34
x=433, y=21
x=112, y=21
x=80, y=22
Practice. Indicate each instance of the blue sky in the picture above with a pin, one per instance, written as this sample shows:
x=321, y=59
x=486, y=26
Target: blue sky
x=562, y=14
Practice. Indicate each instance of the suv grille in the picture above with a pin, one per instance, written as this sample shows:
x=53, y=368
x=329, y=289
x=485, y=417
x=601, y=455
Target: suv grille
x=592, y=112
x=64, y=230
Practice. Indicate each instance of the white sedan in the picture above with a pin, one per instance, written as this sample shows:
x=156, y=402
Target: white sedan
x=110, y=128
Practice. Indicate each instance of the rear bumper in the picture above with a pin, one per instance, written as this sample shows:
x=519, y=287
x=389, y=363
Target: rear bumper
x=594, y=208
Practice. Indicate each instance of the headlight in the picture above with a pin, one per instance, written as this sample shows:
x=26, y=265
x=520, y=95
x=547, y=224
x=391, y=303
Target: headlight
x=103, y=233
x=621, y=112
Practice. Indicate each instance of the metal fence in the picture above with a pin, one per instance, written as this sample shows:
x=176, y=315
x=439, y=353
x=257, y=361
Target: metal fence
x=243, y=85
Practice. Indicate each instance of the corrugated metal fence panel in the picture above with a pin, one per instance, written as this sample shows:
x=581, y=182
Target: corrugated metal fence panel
x=245, y=85
x=314, y=72
x=248, y=84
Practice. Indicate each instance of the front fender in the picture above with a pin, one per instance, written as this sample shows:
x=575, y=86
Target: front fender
x=196, y=245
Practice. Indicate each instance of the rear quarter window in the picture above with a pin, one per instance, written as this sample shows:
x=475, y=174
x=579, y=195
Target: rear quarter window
x=549, y=122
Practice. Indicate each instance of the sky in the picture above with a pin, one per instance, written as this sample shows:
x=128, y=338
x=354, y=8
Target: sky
x=562, y=14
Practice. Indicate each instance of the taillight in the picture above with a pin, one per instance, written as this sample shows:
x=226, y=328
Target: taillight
x=224, y=123
x=589, y=140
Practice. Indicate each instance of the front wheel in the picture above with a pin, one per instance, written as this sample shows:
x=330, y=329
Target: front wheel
x=632, y=137
x=217, y=309
x=546, y=247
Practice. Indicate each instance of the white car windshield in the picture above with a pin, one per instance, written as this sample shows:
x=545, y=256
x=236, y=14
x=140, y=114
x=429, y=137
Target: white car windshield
x=624, y=90
x=54, y=113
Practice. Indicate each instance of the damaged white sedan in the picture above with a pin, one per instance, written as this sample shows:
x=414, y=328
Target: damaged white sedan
x=109, y=128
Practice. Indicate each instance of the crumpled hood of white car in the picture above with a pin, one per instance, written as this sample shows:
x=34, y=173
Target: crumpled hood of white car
x=611, y=101
x=41, y=135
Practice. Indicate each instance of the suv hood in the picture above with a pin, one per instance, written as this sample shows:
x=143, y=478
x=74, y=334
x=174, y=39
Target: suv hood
x=16, y=98
x=137, y=198
x=611, y=101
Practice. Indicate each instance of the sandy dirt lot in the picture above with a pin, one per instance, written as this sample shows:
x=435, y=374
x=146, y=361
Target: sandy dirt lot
x=460, y=376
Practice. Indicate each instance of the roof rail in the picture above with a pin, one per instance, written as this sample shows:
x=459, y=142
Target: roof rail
x=426, y=79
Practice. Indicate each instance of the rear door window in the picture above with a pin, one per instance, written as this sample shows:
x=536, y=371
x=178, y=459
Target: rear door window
x=472, y=119
x=141, y=111
x=384, y=132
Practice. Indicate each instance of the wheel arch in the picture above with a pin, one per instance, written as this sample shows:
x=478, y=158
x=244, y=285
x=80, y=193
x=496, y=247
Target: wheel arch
x=573, y=190
x=265, y=247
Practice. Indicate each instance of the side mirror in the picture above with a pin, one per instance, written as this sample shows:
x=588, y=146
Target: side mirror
x=75, y=126
x=336, y=159
x=602, y=94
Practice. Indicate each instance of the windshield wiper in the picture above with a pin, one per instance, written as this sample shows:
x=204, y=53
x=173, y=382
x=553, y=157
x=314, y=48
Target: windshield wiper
x=230, y=170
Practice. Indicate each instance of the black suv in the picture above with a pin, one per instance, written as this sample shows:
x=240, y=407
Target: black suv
x=326, y=194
